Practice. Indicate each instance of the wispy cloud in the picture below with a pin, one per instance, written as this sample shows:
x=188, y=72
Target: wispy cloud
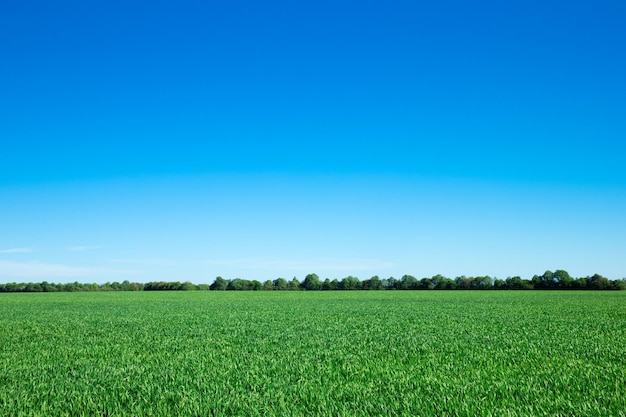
x=82, y=248
x=16, y=250
x=41, y=270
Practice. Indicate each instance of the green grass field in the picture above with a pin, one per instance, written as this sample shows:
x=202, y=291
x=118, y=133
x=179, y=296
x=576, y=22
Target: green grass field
x=313, y=353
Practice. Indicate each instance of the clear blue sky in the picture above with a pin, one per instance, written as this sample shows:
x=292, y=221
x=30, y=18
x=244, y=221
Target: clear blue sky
x=180, y=141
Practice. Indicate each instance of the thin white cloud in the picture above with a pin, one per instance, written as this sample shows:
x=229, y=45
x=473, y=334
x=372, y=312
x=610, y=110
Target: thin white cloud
x=16, y=250
x=82, y=248
x=41, y=270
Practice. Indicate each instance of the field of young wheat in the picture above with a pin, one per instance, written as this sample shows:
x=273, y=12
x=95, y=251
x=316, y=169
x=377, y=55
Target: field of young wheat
x=366, y=353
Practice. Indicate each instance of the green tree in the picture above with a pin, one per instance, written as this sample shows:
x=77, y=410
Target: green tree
x=33, y=287
x=280, y=284
x=517, y=283
x=408, y=282
x=330, y=285
x=499, y=284
x=463, y=282
x=220, y=284
x=47, y=287
x=188, y=286
x=374, y=283
x=350, y=283
x=426, y=284
x=618, y=284
x=562, y=279
x=598, y=282
x=311, y=282
x=294, y=284
x=545, y=281
x=481, y=283
x=390, y=283
x=443, y=283
x=238, y=284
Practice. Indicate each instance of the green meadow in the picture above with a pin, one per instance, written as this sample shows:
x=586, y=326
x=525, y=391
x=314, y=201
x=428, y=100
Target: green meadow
x=336, y=353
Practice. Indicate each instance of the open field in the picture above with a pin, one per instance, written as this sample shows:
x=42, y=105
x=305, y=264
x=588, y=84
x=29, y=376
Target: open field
x=313, y=353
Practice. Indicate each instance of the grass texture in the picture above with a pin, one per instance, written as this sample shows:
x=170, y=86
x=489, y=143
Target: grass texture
x=366, y=353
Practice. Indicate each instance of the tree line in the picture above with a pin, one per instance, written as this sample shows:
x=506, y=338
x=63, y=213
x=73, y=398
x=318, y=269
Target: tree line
x=549, y=280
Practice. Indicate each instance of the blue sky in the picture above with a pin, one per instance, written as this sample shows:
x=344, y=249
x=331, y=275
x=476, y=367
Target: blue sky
x=158, y=141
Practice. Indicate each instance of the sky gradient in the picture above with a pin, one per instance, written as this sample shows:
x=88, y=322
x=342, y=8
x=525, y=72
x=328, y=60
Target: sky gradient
x=152, y=141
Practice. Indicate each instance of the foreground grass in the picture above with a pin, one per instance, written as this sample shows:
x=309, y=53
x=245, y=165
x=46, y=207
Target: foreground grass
x=313, y=353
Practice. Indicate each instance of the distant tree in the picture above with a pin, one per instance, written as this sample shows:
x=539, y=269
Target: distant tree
x=598, y=282
x=517, y=283
x=618, y=284
x=188, y=286
x=238, y=284
x=350, y=283
x=437, y=280
x=330, y=285
x=562, y=280
x=442, y=283
x=13, y=287
x=580, y=284
x=463, y=282
x=294, y=284
x=47, y=287
x=391, y=283
x=280, y=284
x=499, y=284
x=408, y=282
x=446, y=284
x=426, y=284
x=374, y=283
x=311, y=282
x=220, y=284
x=547, y=279
x=75, y=286
x=544, y=282
x=33, y=287
x=481, y=283
x=558, y=279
